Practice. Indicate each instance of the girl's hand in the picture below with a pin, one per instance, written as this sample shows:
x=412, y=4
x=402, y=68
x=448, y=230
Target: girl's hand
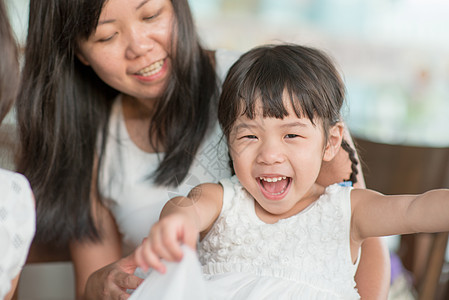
x=164, y=242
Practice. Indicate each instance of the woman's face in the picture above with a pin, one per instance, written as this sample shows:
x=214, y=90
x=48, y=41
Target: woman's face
x=130, y=49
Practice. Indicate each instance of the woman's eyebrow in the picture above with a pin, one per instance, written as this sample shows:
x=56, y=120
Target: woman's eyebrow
x=142, y=4
x=101, y=22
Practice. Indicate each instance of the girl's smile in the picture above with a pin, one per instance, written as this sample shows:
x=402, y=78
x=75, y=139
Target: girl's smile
x=274, y=187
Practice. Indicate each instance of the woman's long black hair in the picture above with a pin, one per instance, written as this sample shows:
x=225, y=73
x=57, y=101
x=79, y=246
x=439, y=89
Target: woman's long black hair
x=63, y=109
x=265, y=73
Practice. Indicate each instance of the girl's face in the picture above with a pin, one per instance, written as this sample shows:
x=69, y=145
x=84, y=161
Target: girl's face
x=278, y=160
x=130, y=48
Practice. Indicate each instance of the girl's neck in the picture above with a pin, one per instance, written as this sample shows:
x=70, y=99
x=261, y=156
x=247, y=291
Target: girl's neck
x=314, y=193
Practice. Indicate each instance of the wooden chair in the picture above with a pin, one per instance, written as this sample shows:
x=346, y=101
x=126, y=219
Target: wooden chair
x=400, y=169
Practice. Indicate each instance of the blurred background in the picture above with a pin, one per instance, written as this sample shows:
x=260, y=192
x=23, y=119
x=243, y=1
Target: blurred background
x=393, y=54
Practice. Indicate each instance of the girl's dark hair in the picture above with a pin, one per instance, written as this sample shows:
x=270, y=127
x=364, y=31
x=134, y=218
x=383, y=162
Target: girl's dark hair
x=9, y=65
x=63, y=110
x=265, y=73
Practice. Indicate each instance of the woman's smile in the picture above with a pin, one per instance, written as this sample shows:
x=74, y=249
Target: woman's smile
x=153, y=71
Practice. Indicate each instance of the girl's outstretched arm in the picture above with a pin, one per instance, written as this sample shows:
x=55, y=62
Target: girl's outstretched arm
x=181, y=221
x=375, y=214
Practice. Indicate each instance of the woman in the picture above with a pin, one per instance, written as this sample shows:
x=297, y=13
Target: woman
x=118, y=103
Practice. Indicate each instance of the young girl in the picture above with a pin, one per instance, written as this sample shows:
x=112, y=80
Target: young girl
x=117, y=114
x=17, y=216
x=272, y=230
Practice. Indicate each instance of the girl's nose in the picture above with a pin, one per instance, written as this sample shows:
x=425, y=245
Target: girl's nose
x=270, y=153
x=139, y=44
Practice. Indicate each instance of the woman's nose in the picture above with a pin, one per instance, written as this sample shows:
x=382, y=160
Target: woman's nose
x=270, y=153
x=138, y=44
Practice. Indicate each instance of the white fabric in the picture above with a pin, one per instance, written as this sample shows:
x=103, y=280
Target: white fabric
x=17, y=226
x=181, y=281
x=306, y=256
x=133, y=198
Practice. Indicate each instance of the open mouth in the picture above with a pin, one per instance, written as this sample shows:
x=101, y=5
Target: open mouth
x=151, y=69
x=274, y=187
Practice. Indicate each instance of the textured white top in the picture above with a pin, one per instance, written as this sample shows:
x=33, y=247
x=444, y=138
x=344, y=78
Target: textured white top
x=17, y=226
x=306, y=256
x=133, y=198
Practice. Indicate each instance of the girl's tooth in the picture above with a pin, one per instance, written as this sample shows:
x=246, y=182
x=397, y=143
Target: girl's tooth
x=270, y=179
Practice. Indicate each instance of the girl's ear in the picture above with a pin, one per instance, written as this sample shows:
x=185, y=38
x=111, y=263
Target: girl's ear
x=333, y=141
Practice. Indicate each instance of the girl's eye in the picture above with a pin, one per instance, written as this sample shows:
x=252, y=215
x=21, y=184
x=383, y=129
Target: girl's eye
x=291, y=135
x=249, y=136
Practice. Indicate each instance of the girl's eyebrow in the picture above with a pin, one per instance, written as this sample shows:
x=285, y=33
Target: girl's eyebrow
x=113, y=20
x=243, y=126
x=294, y=124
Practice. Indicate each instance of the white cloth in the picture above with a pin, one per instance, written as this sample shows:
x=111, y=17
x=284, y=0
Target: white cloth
x=134, y=199
x=182, y=280
x=306, y=256
x=17, y=226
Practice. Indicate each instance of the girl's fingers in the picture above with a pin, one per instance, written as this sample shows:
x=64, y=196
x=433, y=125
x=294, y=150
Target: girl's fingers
x=172, y=243
x=160, y=247
x=151, y=258
x=139, y=259
x=191, y=238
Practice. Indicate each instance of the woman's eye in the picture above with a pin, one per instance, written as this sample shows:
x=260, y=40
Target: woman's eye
x=106, y=39
x=149, y=18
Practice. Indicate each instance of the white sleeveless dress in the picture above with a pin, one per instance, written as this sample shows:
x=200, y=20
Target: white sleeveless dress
x=306, y=256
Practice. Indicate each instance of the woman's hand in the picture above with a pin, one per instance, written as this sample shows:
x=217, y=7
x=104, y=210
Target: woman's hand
x=112, y=281
x=165, y=240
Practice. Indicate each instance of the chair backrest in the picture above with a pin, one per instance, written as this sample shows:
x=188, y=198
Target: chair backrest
x=402, y=169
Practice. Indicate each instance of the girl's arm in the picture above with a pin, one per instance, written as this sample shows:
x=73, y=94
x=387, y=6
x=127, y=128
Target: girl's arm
x=375, y=214
x=181, y=221
x=373, y=273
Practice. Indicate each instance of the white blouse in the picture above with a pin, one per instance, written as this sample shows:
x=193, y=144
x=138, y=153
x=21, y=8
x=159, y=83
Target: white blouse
x=133, y=198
